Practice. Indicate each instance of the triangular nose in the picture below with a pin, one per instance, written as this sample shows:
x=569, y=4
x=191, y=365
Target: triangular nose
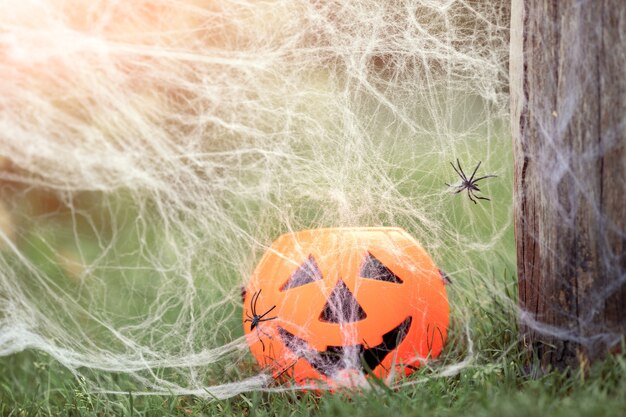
x=341, y=306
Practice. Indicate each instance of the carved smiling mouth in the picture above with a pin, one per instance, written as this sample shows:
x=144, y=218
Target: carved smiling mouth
x=336, y=358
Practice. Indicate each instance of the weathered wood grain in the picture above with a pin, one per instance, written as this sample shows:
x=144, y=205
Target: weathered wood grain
x=568, y=110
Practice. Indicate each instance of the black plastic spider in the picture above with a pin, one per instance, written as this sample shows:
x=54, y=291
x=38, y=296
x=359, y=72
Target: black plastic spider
x=255, y=319
x=469, y=184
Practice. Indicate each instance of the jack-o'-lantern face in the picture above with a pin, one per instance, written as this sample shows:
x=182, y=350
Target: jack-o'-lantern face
x=332, y=304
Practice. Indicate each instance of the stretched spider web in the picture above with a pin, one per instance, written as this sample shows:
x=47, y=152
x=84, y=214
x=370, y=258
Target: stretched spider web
x=151, y=151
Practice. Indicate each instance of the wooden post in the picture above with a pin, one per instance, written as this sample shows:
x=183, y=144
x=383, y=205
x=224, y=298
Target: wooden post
x=568, y=112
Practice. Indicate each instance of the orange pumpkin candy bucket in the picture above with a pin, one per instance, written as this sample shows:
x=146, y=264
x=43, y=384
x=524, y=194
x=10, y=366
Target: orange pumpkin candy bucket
x=333, y=305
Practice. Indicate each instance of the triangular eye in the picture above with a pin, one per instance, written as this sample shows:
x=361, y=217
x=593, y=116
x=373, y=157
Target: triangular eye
x=306, y=273
x=374, y=269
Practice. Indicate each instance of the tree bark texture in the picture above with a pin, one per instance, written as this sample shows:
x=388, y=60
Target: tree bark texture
x=568, y=112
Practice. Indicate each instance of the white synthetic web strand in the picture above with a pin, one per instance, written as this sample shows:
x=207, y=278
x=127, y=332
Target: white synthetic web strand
x=152, y=150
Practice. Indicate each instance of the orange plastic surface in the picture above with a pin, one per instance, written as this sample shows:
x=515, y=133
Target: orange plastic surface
x=340, y=255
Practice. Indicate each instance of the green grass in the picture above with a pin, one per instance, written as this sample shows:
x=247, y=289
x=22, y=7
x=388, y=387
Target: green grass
x=499, y=382
x=32, y=385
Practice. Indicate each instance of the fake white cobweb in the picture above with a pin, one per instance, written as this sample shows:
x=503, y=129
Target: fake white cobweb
x=152, y=150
